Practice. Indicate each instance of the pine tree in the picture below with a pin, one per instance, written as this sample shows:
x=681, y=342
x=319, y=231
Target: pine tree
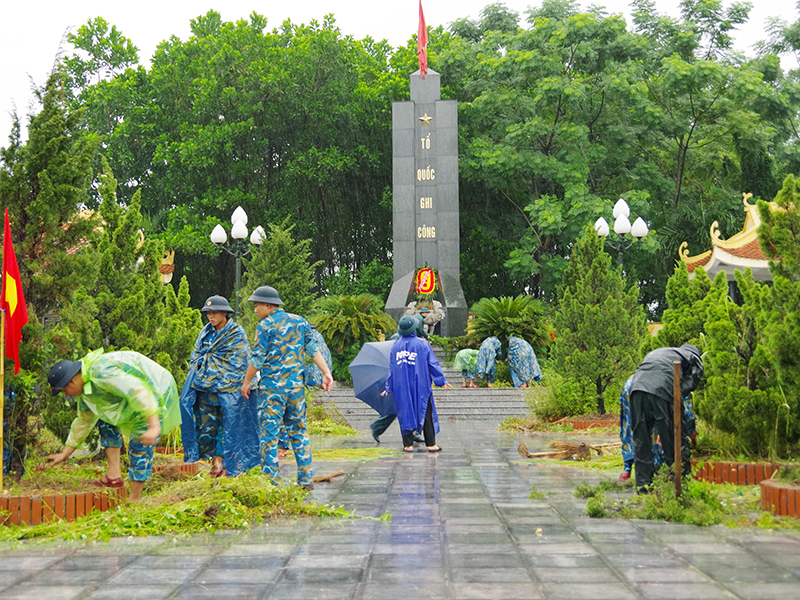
x=688, y=300
x=283, y=263
x=599, y=323
x=43, y=182
x=744, y=395
x=127, y=306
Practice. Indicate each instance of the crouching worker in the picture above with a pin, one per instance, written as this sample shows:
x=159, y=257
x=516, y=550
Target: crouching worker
x=124, y=389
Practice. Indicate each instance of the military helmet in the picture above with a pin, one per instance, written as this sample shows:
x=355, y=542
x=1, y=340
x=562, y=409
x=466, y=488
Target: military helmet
x=267, y=295
x=219, y=303
x=62, y=373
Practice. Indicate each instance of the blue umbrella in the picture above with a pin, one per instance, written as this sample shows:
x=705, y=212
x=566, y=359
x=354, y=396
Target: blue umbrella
x=370, y=369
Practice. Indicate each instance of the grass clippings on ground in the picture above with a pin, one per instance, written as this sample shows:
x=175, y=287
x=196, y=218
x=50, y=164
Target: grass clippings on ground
x=197, y=504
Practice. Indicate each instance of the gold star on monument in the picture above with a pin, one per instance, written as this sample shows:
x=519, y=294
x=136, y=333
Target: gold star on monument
x=425, y=119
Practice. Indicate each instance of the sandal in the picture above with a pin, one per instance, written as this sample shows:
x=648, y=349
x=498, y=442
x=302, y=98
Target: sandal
x=104, y=481
x=408, y=449
x=437, y=449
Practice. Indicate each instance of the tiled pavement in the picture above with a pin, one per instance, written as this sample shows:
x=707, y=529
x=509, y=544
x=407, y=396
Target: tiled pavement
x=462, y=527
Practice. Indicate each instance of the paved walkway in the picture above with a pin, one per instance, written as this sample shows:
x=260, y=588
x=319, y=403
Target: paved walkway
x=462, y=527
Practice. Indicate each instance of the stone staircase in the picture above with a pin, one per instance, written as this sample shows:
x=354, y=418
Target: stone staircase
x=456, y=403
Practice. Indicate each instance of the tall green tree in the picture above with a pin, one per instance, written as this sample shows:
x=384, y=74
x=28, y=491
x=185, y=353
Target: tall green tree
x=283, y=262
x=688, y=301
x=43, y=182
x=599, y=323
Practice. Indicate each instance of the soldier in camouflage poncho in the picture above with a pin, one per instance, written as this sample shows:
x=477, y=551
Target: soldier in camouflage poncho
x=218, y=423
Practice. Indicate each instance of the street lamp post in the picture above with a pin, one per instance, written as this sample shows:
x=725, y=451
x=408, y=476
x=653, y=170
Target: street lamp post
x=237, y=248
x=622, y=226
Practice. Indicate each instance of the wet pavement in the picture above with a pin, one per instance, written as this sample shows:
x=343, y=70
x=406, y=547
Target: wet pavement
x=462, y=527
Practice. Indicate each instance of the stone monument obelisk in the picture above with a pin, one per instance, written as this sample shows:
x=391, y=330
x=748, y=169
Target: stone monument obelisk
x=425, y=193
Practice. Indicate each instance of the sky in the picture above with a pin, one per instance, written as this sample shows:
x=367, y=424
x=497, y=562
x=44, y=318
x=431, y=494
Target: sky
x=32, y=34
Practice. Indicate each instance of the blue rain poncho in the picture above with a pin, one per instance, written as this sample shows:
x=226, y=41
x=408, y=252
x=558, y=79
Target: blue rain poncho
x=313, y=374
x=218, y=364
x=124, y=389
x=522, y=362
x=488, y=353
x=412, y=368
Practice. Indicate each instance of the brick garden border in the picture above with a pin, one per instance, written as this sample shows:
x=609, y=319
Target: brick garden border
x=33, y=510
x=780, y=498
x=733, y=472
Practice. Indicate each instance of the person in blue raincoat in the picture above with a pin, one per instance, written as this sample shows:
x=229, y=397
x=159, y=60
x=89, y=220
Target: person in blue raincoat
x=218, y=423
x=688, y=423
x=522, y=362
x=412, y=368
x=489, y=352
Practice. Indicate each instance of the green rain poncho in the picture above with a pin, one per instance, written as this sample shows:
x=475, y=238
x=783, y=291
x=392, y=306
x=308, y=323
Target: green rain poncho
x=124, y=388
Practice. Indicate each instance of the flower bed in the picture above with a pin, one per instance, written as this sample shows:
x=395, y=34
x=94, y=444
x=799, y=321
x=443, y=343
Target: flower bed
x=32, y=510
x=733, y=472
x=780, y=498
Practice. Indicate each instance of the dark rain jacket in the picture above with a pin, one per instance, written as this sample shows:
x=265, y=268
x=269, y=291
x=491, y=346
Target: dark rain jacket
x=654, y=375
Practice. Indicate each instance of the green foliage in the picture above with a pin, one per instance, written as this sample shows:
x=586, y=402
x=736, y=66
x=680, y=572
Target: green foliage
x=789, y=474
x=594, y=507
x=102, y=52
x=536, y=494
x=599, y=324
x=372, y=278
x=699, y=503
x=283, y=263
x=521, y=316
x=127, y=307
x=688, y=300
x=347, y=320
x=561, y=397
x=346, y=323
x=42, y=182
x=779, y=233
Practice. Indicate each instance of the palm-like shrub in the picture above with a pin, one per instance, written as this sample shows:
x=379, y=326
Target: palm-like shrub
x=521, y=316
x=348, y=322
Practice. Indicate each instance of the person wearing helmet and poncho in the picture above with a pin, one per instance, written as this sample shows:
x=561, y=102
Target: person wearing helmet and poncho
x=125, y=389
x=412, y=368
x=218, y=423
x=651, y=396
x=282, y=339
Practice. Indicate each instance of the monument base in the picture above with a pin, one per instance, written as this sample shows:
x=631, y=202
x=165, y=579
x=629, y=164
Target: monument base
x=454, y=323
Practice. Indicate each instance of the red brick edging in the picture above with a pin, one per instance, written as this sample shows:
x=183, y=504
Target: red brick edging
x=734, y=472
x=33, y=510
x=780, y=498
x=191, y=468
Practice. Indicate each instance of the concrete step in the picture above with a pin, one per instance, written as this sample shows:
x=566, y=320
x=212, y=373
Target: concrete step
x=458, y=403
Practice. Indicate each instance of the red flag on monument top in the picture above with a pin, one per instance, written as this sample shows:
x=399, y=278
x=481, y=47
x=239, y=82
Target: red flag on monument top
x=12, y=299
x=422, y=41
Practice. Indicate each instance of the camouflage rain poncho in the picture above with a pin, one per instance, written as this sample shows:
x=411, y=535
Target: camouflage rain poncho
x=488, y=353
x=313, y=374
x=218, y=364
x=522, y=362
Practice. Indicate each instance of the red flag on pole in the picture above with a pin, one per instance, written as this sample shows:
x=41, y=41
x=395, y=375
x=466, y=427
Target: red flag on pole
x=422, y=41
x=12, y=299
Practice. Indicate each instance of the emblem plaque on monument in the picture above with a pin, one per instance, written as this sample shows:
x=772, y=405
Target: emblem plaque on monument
x=425, y=191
